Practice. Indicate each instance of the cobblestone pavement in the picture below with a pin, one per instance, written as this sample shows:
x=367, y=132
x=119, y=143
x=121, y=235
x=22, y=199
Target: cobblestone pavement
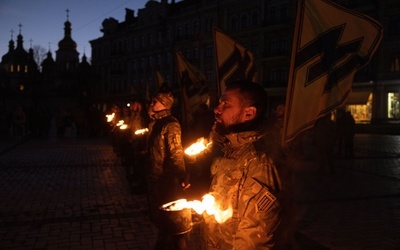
x=69, y=194
x=359, y=206
x=73, y=194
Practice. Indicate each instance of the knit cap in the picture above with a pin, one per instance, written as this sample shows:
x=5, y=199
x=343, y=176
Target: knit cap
x=166, y=99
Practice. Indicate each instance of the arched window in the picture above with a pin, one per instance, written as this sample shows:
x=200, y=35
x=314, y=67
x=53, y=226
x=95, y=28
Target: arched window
x=234, y=24
x=244, y=22
x=255, y=19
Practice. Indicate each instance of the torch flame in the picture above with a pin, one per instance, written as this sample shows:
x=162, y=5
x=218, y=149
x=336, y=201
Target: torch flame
x=197, y=147
x=207, y=205
x=123, y=126
x=141, y=131
x=120, y=122
x=110, y=117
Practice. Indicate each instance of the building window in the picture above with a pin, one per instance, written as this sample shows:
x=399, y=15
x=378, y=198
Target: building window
x=394, y=25
x=159, y=60
x=273, y=47
x=179, y=31
x=196, y=54
x=395, y=64
x=151, y=38
x=272, y=14
x=209, y=24
x=234, y=23
x=255, y=19
x=209, y=51
x=11, y=68
x=159, y=37
x=169, y=35
x=143, y=42
x=272, y=75
x=244, y=22
x=188, y=55
x=188, y=30
x=283, y=12
x=360, y=106
x=210, y=76
x=284, y=46
x=284, y=76
x=196, y=27
x=393, y=105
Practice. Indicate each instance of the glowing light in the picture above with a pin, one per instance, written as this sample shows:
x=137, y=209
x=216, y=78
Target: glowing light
x=197, y=147
x=110, y=117
x=207, y=205
x=141, y=131
x=120, y=122
x=123, y=126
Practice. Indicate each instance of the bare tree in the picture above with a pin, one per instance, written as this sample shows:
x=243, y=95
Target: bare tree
x=39, y=54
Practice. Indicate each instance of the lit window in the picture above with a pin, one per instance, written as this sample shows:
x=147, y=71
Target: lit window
x=393, y=105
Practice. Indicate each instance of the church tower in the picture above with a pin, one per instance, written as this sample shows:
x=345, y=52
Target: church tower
x=67, y=57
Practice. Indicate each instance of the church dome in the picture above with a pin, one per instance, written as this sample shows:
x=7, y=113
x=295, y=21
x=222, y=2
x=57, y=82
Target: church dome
x=67, y=43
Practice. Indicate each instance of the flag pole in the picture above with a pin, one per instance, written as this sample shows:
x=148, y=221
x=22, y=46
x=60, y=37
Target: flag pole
x=300, y=5
x=216, y=63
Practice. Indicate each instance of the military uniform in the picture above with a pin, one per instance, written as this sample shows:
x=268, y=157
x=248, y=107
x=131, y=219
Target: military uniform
x=246, y=180
x=166, y=166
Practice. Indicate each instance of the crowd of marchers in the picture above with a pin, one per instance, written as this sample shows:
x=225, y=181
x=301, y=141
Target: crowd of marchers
x=245, y=168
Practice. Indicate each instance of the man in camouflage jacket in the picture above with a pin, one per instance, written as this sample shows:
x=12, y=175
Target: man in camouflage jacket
x=166, y=167
x=245, y=178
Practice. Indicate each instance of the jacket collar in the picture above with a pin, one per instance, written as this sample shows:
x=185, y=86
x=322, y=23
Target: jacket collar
x=240, y=138
x=161, y=114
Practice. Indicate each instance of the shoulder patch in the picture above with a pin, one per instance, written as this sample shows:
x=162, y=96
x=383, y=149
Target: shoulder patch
x=265, y=201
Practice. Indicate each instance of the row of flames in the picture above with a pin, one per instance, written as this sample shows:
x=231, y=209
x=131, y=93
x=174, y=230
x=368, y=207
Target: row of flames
x=122, y=125
x=208, y=203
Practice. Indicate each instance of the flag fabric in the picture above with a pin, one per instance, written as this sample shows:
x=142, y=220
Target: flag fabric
x=193, y=85
x=159, y=80
x=234, y=62
x=330, y=44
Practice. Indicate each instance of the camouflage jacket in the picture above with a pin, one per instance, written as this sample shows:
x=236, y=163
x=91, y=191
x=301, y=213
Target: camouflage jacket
x=164, y=146
x=247, y=180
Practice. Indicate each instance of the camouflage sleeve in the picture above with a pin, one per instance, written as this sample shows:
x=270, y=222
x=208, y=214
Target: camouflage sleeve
x=260, y=212
x=174, y=149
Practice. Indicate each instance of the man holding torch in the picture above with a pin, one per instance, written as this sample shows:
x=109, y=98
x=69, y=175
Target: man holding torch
x=246, y=178
x=166, y=171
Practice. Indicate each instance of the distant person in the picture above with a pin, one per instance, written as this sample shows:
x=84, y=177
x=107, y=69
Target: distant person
x=137, y=147
x=349, y=133
x=166, y=170
x=324, y=142
x=19, y=121
x=340, y=131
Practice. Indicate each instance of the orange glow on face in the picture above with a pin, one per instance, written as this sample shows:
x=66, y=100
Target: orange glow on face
x=197, y=147
x=207, y=205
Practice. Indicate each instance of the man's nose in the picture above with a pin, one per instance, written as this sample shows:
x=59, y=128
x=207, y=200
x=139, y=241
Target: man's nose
x=217, y=110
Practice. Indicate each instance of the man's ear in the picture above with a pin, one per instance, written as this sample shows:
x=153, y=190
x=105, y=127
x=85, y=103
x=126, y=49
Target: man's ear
x=250, y=113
